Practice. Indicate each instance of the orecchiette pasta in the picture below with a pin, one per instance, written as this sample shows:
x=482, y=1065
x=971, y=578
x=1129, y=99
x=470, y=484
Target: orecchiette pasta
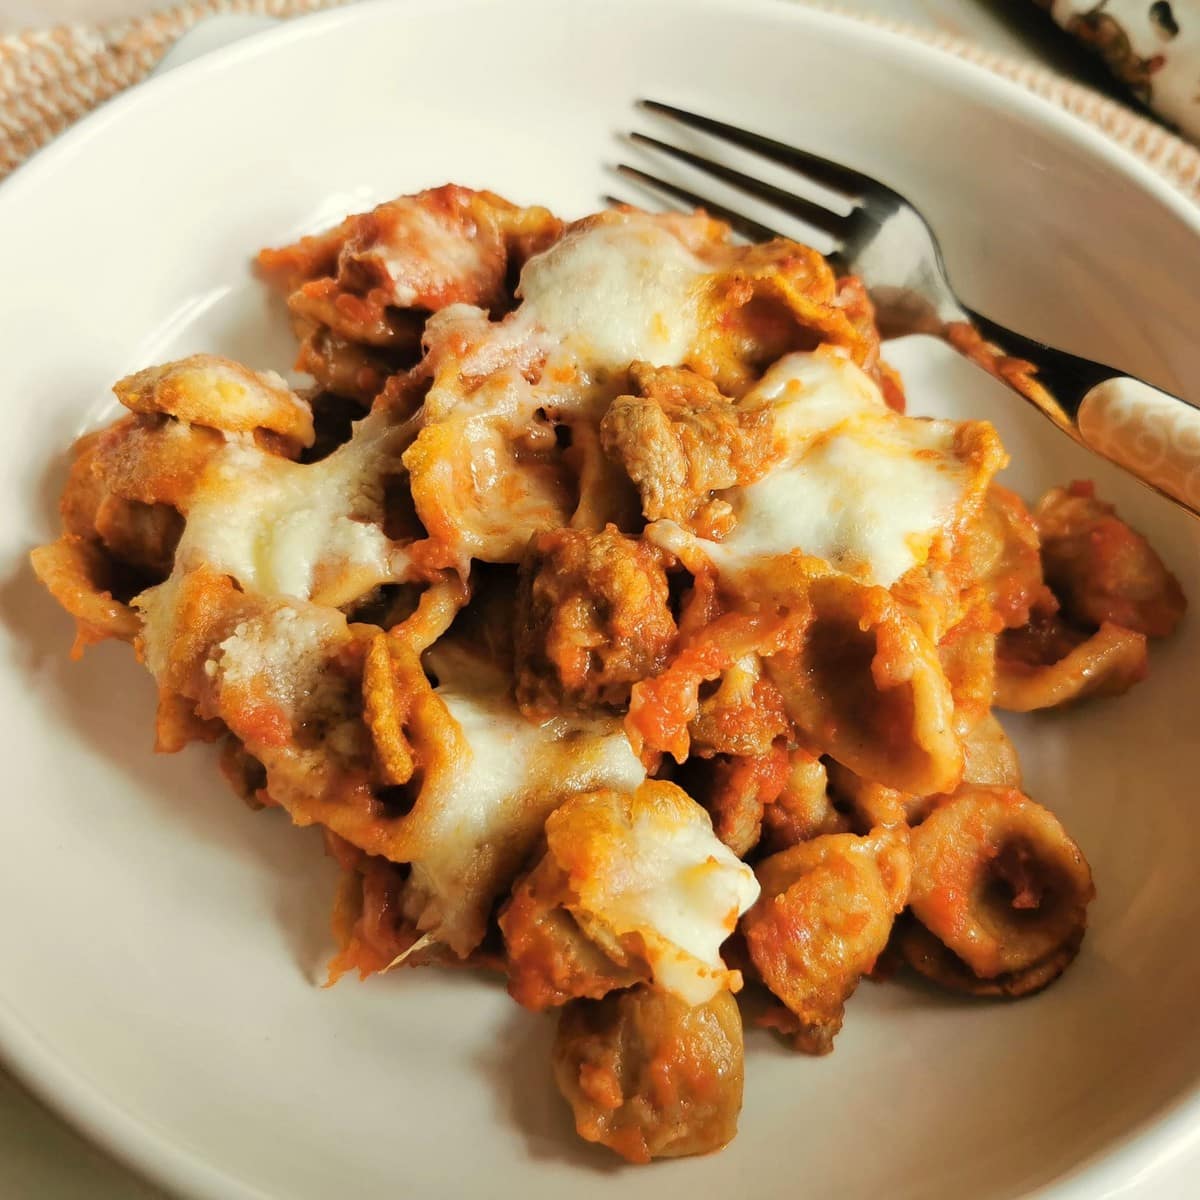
x=824, y=918
x=997, y=880
x=600, y=602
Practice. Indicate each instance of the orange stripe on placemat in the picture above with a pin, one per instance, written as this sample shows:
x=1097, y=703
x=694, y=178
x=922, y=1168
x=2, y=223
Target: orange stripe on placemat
x=50, y=78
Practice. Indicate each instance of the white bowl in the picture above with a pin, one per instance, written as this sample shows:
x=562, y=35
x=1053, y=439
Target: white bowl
x=159, y=942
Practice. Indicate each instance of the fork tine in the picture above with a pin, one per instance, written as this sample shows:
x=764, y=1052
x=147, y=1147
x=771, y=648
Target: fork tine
x=748, y=228
x=823, y=170
x=816, y=215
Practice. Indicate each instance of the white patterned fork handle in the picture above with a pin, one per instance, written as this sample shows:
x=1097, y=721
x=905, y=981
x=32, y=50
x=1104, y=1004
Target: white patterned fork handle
x=1148, y=433
x=1152, y=434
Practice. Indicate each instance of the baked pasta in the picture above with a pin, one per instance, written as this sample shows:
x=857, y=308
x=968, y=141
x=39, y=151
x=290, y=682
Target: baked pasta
x=621, y=632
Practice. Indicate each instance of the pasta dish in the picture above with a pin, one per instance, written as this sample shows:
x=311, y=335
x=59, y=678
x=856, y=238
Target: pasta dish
x=621, y=632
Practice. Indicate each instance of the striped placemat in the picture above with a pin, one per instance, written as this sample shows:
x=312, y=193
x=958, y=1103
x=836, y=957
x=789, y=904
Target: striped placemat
x=50, y=78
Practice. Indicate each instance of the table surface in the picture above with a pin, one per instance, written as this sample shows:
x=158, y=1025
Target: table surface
x=40, y=1157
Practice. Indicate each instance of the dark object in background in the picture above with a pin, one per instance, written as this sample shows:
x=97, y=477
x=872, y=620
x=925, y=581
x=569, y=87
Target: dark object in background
x=1137, y=45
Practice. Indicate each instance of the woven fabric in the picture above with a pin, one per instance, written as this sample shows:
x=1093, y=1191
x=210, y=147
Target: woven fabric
x=51, y=78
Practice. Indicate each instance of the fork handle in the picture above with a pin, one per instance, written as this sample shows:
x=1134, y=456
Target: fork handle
x=1152, y=434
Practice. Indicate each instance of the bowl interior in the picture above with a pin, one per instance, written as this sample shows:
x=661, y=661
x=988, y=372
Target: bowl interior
x=162, y=942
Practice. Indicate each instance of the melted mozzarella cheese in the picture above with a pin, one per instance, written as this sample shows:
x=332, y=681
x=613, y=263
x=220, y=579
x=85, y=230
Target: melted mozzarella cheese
x=658, y=872
x=307, y=531
x=613, y=290
x=869, y=498
x=858, y=485
x=509, y=756
x=811, y=393
x=486, y=812
x=616, y=291
x=609, y=293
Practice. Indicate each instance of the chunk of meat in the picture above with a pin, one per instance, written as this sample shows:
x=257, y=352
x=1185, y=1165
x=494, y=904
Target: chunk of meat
x=649, y=1076
x=803, y=809
x=738, y=792
x=742, y=716
x=824, y=916
x=142, y=535
x=679, y=439
x=1101, y=570
x=592, y=619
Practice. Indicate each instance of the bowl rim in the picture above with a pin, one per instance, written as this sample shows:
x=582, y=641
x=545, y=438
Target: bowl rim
x=1140, y=1151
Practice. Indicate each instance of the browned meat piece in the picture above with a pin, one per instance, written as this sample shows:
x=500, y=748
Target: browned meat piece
x=351, y=369
x=649, y=1076
x=737, y=791
x=803, y=809
x=679, y=439
x=142, y=535
x=742, y=715
x=1101, y=570
x=592, y=619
